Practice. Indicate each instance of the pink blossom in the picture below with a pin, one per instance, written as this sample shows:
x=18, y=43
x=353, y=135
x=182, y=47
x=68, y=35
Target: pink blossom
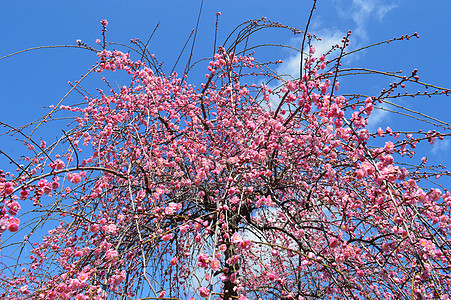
x=83, y=277
x=94, y=228
x=162, y=294
x=111, y=254
x=184, y=228
x=204, y=292
x=245, y=244
x=271, y=276
x=118, y=277
x=13, y=207
x=61, y=288
x=203, y=260
x=55, y=185
x=111, y=228
x=236, y=238
x=360, y=273
x=13, y=225
x=333, y=242
x=74, y=284
x=24, y=289
x=167, y=237
x=8, y=188
x=233, y=278
x=24, y=194
x=47, y=189
x=215, y=264
x=174, y=261
x=58, y=164
x=76, y=178
x=172, y=208
x=67, y=252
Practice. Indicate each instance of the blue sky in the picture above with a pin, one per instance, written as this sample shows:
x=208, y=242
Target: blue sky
x=40, y=78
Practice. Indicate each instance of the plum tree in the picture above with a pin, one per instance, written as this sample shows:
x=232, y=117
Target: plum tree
x=236, y=189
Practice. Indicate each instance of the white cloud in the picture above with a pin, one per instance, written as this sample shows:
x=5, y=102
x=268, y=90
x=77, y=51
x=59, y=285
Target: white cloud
x=362, y=11
x=290, y=66
x=329, y=38
x=383, y=10
x=440, y=146
x=377, y=117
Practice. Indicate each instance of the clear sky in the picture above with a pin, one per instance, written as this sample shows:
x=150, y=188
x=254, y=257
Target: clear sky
x=40, y=78
x=32, y=80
